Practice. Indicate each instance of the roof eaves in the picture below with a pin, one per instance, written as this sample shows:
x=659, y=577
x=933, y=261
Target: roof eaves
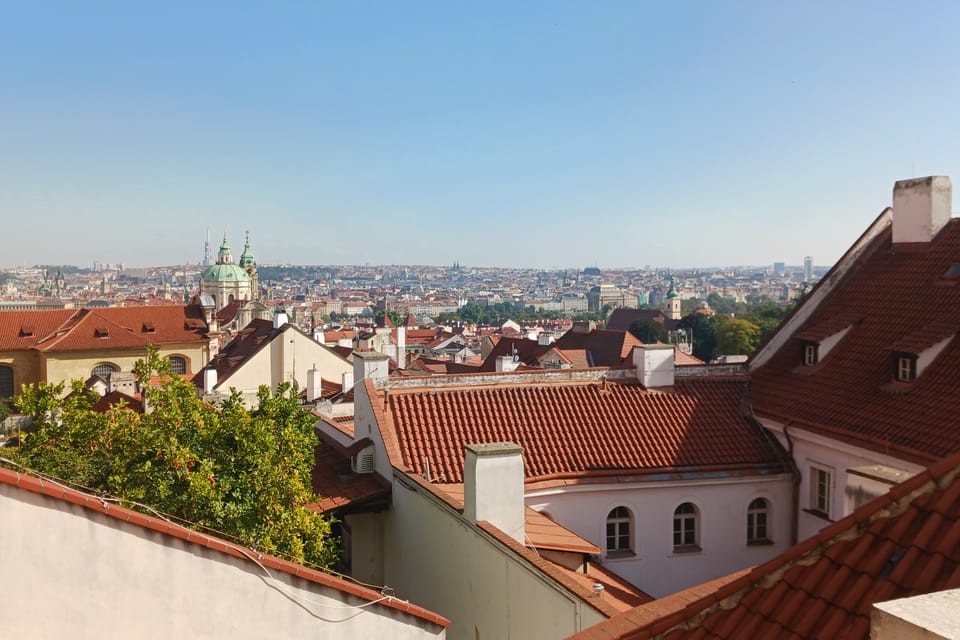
x=95, y=504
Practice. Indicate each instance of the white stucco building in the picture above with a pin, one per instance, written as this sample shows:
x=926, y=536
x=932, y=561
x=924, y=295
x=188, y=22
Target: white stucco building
x=78, y=566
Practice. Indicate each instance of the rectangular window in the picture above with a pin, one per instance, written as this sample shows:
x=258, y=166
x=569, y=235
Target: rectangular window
x=906, y=368
x=810, y=355
x=820, y=488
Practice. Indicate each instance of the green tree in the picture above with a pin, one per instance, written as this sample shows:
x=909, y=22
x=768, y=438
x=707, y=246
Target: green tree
x=471, y=313
x=245, y=473
x=703, y=329
x=648, y=331
x=767, y=315
x=393, y=315
x=737, y=337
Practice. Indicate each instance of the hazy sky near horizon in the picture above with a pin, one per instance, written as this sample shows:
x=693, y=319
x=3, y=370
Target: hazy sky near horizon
x=542, y=134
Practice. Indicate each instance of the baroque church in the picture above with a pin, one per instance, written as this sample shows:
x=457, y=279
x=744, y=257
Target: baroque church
x=227, y=282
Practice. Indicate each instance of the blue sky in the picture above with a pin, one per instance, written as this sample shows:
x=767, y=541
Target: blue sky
x=541, y=134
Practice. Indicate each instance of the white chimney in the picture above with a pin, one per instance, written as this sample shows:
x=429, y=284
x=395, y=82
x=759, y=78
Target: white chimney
x=370, y=365
x=401, y=347
x=655, y=365
x=921, y=207
x=209, y=379
x=493, y=487
x=280, y=318
x=314, y=384
x=346, y=381
x=507, y=363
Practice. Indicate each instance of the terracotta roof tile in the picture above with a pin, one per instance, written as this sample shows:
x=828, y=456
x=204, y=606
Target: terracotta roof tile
x=577, y=430
x=825, y=586
x=903, y=303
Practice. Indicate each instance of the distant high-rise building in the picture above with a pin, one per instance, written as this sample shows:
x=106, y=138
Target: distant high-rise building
x=779, y=267
x=206, y=250
x=808, y=269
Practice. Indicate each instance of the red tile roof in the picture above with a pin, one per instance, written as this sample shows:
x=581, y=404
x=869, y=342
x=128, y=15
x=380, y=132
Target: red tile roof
x=894, y=298
x=543, y=533
x=334, y=481
x=607, y=348
x=107, y=328
x=22, y=329
x=904, y=543
x=165, y=527
x=572, y=430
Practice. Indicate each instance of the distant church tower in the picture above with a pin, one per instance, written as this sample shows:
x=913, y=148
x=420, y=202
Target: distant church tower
x=249, y=264
x=225, y=281
x=671, y=305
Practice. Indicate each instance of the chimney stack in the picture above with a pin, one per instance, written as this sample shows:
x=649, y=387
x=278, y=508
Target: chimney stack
x=370, y=364
x=280, y=318
x=209, y=379
x=921, y=207
x=493, y=487
x=401, y=347
x=655, y=365
x=314, y=384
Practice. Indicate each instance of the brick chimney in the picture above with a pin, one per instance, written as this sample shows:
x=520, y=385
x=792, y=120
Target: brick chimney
x=493, y=487
x=921, y=207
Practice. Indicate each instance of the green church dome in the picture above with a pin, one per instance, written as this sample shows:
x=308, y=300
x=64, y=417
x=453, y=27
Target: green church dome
x=225, y=273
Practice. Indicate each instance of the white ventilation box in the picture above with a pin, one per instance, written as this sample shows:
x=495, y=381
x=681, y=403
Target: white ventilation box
x=362, y=462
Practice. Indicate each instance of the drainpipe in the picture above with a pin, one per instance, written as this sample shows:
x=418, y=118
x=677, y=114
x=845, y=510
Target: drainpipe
x=747, y=408
x=795, y=513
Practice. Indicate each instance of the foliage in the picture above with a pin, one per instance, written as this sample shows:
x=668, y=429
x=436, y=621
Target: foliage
x=496, y=314
x=241, y=472
x=704, y=329
x=394, y=316
x=648, y=331
x=737, y=337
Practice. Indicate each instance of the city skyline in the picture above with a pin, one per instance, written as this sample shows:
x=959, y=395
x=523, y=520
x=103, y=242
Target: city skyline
x=544, y=136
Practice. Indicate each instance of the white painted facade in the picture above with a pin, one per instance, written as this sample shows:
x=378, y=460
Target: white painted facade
x=75, y=573
x=431, y=555
x=652, y=564
x=813, y=451
x=287, y=358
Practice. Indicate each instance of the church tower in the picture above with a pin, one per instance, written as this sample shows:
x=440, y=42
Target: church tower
x=249, y=264
x=225, y=281
x=672, y=303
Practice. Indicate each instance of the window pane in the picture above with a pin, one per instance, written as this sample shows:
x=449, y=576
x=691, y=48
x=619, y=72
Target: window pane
x=6, y=382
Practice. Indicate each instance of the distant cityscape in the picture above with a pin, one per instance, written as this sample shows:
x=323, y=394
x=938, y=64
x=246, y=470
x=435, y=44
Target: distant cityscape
x=423, y=291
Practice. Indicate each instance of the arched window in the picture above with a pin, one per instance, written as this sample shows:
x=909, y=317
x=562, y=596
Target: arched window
x=757, y=515
x=104, y=369
x=619, y=526
x=178, y=364
x=6, y=382
x=686, y=532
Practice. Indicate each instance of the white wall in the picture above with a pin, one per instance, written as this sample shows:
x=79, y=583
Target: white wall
x=654, y=567
x=73, y=573
x=291, y=352
x=434, y=558
x=810, y=449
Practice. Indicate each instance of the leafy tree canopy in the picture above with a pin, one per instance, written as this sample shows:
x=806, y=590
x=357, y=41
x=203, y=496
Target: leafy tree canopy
x=648, y=331
x=737, y=337
x=244, y=473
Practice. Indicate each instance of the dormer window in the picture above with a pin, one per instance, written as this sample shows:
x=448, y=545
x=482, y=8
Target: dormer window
x=26, y=331
x=810, y=353
x=101, y=332
x=148, y=327
x=906, y=367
